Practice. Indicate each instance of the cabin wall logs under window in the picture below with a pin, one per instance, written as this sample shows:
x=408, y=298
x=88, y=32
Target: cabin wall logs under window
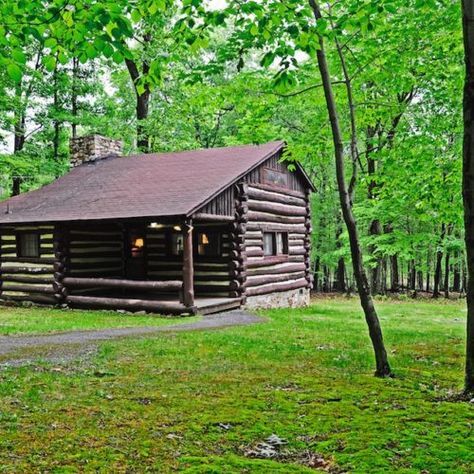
x=276, y=211
x=27, y=278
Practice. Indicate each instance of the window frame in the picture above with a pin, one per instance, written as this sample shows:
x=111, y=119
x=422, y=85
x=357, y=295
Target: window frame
x=285, y=243
x=21, y=235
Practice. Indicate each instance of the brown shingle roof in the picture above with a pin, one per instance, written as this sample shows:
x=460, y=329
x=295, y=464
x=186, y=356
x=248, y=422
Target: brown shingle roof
x=165, y=184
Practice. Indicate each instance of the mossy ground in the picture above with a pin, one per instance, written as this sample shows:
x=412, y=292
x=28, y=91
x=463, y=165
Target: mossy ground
x=198, y=402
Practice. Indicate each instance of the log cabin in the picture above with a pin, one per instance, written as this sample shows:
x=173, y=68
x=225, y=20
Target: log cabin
x=193, y=231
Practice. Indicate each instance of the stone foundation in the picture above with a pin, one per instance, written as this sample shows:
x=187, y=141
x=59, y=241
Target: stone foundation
x=283, y=299
x=93, y=148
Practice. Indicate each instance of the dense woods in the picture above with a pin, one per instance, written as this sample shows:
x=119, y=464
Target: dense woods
x=242, y=85
x=387, y=214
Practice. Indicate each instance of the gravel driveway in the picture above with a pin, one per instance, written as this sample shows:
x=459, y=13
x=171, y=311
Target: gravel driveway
x=66, y=345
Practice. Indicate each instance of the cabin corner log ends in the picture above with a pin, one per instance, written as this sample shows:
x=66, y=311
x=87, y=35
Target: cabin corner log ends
x=237, y=236
x=60, y=248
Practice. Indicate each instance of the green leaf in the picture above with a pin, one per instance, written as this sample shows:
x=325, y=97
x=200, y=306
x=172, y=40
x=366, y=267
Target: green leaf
x=50, y=43
x=14, y=72
x=117, y=57
x=19, y=56
x=108, y=50
x=136, y=15
x=49, y=63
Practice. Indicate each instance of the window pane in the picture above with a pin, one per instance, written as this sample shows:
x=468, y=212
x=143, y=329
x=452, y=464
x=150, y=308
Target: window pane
x=29, y=245
x=279, y=243
x=282, y=243
x=268, y=247
x=176, y=244
x=208, y=244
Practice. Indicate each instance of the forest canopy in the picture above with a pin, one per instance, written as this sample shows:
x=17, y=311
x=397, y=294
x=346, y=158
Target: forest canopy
x=164, y=75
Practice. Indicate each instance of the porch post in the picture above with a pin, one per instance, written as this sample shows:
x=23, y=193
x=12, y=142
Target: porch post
x=188, y=264
x=61, y=249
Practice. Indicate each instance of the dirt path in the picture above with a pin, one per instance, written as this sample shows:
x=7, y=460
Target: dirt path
x=67, y=345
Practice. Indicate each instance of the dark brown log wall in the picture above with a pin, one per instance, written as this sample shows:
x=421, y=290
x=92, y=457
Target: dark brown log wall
x=27, y=279
x=95, y=251
x=273, y=209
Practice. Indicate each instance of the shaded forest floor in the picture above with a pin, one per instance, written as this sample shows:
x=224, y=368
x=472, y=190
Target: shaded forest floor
x=210, y=401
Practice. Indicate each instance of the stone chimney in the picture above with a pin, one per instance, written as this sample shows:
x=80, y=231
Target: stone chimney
x=93, y=148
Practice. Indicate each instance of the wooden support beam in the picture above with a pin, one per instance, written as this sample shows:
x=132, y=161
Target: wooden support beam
x=169, y=285
x=130, y=304
x=203, y=217
x=188, y=265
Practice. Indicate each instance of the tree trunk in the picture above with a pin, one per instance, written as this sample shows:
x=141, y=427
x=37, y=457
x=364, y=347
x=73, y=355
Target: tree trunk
x=74, y=94
x=57, y=125
x=340, y=281
x=316, y=285
x=19, y=135
x=375, y=331
x=468, y=183
x=395, y=283
x=142, y=98
x=457, y=277
x=446, y=275
x=439, y=259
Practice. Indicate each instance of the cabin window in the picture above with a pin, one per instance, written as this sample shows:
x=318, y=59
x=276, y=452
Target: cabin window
x=28, y=245
x=208, y=244
x=275, y=243
x=176, y=243
x=137, y=244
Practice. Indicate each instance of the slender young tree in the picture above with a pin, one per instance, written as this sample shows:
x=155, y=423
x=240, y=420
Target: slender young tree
x=468, y=183
x=345, y=197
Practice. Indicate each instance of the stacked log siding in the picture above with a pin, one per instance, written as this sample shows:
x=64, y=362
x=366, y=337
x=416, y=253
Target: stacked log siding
x=27, y=279
x=273, y=210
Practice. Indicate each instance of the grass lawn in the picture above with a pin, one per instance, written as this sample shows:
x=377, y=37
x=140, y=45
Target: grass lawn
x=17, y=320
x=201, y=402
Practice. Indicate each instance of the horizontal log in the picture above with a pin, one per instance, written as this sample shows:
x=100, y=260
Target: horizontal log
x=25, y=270
x=297, y=251
x=95, y=238
x=254, y=252
x=254, y=242
x=279, y=268
x=26, y=260
x=200, y=216
x=73, y=246
x=26, y=279
x=94, y=254
x=266, y=261
x=264, y=226
x=278, y=209
x=273, y=196
x=43, y=299
x=275, y=189
x=114, y=273
x=170, y=285
x=129, y=304
x=253, y=281
x=265, y=218
x=94, y=265
x=28, y=288
x=277, y=287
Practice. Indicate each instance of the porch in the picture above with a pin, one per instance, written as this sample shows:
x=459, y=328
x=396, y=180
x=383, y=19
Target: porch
x=172, y=267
